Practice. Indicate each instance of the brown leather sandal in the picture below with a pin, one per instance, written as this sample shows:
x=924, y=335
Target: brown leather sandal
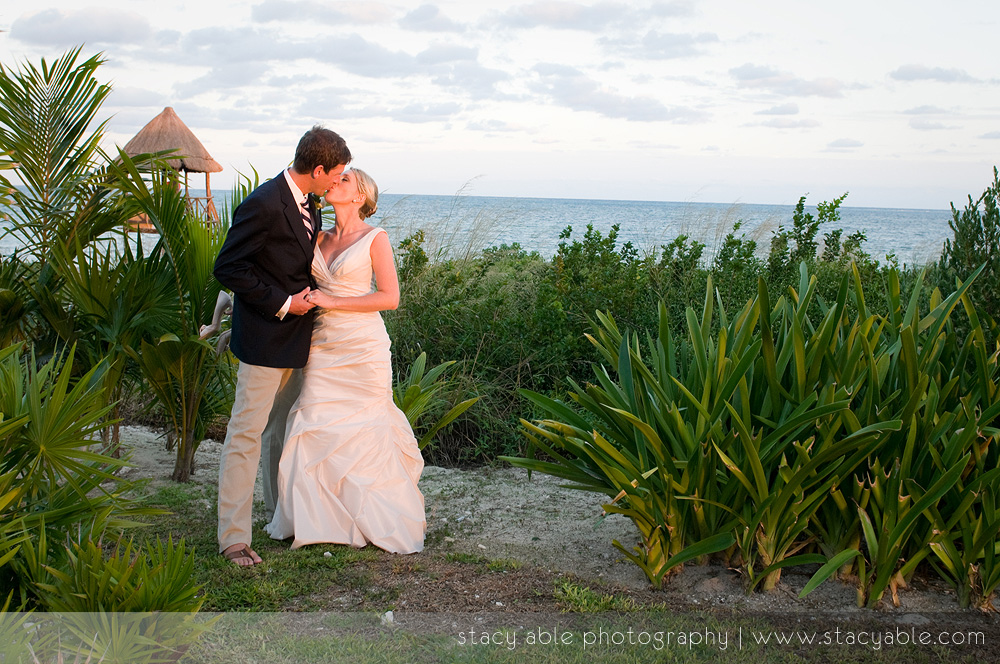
x=238, y=554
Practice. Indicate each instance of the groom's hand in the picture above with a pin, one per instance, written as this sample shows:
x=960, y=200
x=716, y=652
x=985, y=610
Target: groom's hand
x=299, y=304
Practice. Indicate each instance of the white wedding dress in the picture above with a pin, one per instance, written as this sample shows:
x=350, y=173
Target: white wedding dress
x=350, y=465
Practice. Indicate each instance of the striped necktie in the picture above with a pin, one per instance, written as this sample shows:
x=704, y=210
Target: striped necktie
x=307, y=217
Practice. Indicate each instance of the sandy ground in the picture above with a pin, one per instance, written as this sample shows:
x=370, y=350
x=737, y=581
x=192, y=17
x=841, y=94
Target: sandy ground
x=502, y=513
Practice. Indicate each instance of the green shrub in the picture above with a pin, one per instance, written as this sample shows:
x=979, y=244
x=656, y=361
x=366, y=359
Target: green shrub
x=975, y=243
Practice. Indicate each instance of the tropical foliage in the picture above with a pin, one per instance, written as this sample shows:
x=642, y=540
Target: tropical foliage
x=818, y=406
x=191, y=381
x=790, y=432
x=49, y=128
x=59, y=500
x=419, y=392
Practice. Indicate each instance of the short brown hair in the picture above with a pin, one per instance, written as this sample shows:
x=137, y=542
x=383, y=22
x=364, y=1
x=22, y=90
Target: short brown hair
x=320, y=147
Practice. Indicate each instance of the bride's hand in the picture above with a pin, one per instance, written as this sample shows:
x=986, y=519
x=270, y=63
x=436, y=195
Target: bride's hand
x=320, y=299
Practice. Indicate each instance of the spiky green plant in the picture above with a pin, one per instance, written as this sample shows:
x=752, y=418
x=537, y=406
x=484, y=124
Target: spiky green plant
x=15, y=300
x=419, y=391
x=794, y=432
x=114, y=298
x=54, y=486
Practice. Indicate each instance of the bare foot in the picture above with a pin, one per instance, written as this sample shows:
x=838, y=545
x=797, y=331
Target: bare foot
x=242, y=555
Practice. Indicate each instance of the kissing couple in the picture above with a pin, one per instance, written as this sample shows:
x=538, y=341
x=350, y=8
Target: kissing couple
x=314, y=384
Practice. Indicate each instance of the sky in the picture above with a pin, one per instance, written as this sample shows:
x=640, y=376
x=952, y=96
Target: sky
x=724, y=101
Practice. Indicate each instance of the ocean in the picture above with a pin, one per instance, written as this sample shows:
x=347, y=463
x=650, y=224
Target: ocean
x=459, y=225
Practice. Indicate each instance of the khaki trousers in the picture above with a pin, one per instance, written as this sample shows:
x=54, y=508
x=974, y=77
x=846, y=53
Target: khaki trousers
x=264, y=395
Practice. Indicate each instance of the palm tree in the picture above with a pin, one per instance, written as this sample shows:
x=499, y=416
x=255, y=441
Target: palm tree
x=46, y=114
x=192, y=382
x=75, y=281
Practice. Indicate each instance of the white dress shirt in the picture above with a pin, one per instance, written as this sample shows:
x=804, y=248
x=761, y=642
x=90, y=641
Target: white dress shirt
x=302, y=199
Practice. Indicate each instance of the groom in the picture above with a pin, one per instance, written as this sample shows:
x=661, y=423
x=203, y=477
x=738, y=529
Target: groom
x=265, y=261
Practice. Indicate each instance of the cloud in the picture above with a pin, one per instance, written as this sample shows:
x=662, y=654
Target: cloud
x=772, y=80
x=564, y=15
x=284, y=11
x=335, y=107
x=356, y=55
x=844, y=144
x=493, y=126
x=442, y=53
x=332, y=101
x=472, y=78
x=224, y=77
x=416, y=113
x=94, y=25
x=790, y=108
x=568, y=86
x=447, y=66
x=131, y=96
x=596, y=17
x=428, y=18
x=939, y=74
x=789, y=123
x=681, y=8
x=924, y=124
x=993, y=135
x=662, y=45
x=221, y=47
x=925, y=110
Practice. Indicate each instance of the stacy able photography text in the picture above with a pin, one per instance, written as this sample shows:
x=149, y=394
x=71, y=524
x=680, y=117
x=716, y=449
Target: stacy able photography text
x=736, y=639
x=539, y=636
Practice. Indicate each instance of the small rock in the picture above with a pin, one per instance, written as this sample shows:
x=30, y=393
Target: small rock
x=387, y=618
x=327, y=554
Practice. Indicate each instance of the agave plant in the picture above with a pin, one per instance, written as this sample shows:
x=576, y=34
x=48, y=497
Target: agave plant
x=156, y=578
x=966, y=527
x=648, y=439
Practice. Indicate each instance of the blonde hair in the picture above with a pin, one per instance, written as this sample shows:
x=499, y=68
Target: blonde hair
x=366, y=186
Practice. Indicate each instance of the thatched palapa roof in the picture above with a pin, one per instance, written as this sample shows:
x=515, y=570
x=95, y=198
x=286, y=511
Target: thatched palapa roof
x=167, y=132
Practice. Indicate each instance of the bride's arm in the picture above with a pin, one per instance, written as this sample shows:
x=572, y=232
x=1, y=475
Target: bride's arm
x=387, y=294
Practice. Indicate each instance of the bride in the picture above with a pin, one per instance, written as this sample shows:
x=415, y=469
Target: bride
x=349, y=469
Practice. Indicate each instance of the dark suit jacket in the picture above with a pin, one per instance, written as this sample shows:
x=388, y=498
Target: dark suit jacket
x=266, y=257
